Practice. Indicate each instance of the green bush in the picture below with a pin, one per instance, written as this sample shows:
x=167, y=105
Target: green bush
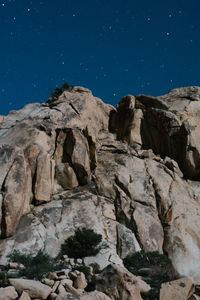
x=36, y=267
x=58, y=91
x=155, y=266
x=96, y=268
x=83, y=269
x=4, y=275
x=85, y=242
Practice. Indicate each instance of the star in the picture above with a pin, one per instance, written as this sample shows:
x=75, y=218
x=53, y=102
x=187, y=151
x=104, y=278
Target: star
x=28, y=9
x=167, y=33
x=73, y=15
x=3, y=4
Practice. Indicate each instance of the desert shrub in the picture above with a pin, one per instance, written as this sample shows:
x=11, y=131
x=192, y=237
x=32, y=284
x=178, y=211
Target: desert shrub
x=96, y=268
x=155, y=268
x=4, y=275
x=83, y=269
x=36, y=267
x=85, y=242
x=59, y=90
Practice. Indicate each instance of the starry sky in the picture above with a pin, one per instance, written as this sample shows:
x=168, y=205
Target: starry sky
x=113, y=47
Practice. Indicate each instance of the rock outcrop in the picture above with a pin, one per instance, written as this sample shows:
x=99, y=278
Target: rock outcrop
x=131, y=173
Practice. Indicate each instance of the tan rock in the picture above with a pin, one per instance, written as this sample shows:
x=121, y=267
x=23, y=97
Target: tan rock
x=78, y=149
x=194, y=297
x=53, y=296
x=24, y=296
x=66, y=282
x=119, y=283
x=95, y=295
x=72, y=290
x=55, y=286
x=178, y=289
x=8, y=293
x=61, y=289
x=53, y=276
x=127, y=242
x=72, y=275
x=15, y=198
x=66, y=176
x=149, y=228
x=43, y=185
x=35, y=289
x=80, y=281
x=48, y=282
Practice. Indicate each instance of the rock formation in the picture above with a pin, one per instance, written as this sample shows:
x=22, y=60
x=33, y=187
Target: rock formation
x=130, y=173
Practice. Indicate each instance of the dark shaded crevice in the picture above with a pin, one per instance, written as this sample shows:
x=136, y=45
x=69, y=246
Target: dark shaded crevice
x=122, y=186
x=74, y=108
x=3, y=208
x=56, y=141
x=92, y=150
x=122, y=218
x=164, y=217
x=118, y=244
x=34, y=202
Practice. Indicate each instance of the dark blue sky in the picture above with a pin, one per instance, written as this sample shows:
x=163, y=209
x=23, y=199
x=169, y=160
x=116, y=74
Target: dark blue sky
x=113, y=47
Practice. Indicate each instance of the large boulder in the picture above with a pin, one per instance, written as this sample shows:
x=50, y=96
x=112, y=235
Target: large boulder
x=119, y=284
x=95, y=295
x=35, y=289
x=171, y=127
x=8, y=293
x=178, y=289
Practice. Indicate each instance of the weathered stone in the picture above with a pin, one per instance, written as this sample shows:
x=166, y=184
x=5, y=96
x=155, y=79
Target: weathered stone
x=72, y=275
x=120, y=284
x=178, y=289
x=71, y=289
x=53, y=276
x=35, y=289
x=43, y=184
x=95, y=295
x=150, y=231
x=8, y=293
x=61, y=289
x=80, y=281
x=16, y=200
x=24, y=296
x=140, y=195
x=48, y=282
x=66, y=176
x=194, y=297
x=55, y=286
x=127, y=242
x=53, y=296
x=78, y=150
x=66, y=282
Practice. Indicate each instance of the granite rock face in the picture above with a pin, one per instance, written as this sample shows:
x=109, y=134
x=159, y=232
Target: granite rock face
x=131, y=173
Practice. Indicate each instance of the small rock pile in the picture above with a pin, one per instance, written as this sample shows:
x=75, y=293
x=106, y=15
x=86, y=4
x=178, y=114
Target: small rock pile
x=113, y=283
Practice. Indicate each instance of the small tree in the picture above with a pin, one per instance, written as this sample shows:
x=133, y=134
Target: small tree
x=155, y=268
x=36, y=267
x=85, y=242
x=59, y=90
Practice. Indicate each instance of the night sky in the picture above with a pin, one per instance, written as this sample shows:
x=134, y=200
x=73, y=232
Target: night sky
x=113, y=47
